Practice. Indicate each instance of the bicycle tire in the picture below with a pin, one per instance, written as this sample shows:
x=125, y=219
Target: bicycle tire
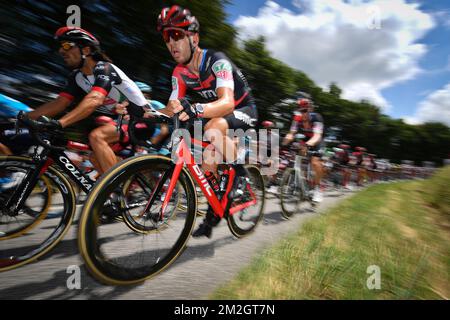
x=234, y=220
x=286, y=196
x=130, y=220
x=16, y=255
x=105, y=269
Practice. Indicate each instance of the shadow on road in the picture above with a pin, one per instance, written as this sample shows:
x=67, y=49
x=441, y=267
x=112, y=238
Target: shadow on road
x=58, y=283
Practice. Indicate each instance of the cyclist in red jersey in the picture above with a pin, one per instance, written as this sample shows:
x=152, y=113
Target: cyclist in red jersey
x=311, y=125
x=359, y=155
x=226, y=99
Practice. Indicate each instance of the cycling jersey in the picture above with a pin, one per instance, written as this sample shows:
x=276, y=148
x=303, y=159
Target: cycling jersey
x=358, y=156
x=107, y=79
x=216, y=71
x=342, y=157
x=314, y=125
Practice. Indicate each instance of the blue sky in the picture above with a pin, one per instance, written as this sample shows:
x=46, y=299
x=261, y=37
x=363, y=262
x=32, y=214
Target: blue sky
x=403, y=97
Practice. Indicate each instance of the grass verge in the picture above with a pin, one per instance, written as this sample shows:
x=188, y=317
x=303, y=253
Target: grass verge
x=403, y=228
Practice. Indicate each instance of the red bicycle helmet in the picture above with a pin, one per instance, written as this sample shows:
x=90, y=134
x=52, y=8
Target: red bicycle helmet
x=77, y=35
x=304, y=103
x=267, y=124
x=177, y=17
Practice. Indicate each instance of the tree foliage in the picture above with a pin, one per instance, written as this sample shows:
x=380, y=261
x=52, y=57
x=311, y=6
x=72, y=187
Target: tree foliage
x=32, y=71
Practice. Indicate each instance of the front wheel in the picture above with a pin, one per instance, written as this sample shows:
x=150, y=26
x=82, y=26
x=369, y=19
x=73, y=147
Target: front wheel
x=126, y=252
x=292, y=192
x=30, y=233
x=244, y=221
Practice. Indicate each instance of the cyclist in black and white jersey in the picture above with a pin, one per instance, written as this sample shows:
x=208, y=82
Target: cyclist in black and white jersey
x=95, y=86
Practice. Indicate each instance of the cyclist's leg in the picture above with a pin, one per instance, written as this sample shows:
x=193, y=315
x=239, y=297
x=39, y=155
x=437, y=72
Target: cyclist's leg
x=318, y=169
x=316, y=163
x=163, y=134
x=215, y=131
x=4, y=150
x=226, y=147
x=100, y=140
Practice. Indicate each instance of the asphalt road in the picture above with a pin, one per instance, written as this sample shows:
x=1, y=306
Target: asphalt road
x=203, y=266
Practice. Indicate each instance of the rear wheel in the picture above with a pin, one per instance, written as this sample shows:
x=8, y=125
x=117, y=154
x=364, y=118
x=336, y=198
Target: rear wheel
x=244, y=221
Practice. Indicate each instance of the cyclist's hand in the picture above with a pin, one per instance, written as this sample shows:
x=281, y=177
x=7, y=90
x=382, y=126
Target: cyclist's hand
x=50, y=124
x=303, y=150
x=174, y=106
x=189, y=111
x=121, y=108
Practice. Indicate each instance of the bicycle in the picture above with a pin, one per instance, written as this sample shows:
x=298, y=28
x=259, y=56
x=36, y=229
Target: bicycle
x=155, y=241
x=51, y=166
x=296, y=185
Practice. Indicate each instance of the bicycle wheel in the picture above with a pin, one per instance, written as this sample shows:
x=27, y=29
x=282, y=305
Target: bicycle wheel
x=291, y=193
x=118, y=254
x=136, y=192
x=29, y=234
x=244, y=221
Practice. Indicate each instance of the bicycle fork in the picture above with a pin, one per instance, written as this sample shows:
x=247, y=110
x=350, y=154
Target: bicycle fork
x=19, y=196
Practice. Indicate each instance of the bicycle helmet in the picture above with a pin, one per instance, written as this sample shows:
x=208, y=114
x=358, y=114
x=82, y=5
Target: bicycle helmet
x=304, y=103
x=145, y=88
x=267, y=124
x=177, y=17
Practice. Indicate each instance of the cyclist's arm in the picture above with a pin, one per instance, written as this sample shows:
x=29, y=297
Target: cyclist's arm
x=50, y=109
x=104, y=75
x=317, y=127
x=289, y=138
x=87, y=106
x=222, y=106
x=293, y=130
x=316, y=138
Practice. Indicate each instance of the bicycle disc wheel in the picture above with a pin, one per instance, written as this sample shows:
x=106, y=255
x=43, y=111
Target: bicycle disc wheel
x=118, y=254
x=244, y=221
x=29, y=233
x=291, y=193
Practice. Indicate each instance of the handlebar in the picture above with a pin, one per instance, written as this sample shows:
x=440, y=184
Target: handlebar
x=136, y=118
x=34, y=127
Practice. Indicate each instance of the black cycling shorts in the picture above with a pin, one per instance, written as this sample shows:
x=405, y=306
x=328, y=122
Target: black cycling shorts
x=243, y=118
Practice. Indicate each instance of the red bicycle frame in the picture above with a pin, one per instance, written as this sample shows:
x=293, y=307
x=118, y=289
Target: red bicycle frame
x=184, y=156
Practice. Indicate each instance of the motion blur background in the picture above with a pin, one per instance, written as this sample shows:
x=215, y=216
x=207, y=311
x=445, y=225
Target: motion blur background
x=32, y=71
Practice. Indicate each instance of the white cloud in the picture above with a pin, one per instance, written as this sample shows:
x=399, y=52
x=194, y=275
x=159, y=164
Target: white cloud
x=435, y=107
x=335, y=40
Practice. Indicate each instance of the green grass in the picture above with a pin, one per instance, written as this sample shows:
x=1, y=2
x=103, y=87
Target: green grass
x=404, y=228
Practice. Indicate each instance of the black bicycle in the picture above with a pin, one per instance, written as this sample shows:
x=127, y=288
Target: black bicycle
x=29, y=184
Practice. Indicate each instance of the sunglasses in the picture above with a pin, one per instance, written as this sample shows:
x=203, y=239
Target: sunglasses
x=174, y=34
x=67, y=45
x=303, y=110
